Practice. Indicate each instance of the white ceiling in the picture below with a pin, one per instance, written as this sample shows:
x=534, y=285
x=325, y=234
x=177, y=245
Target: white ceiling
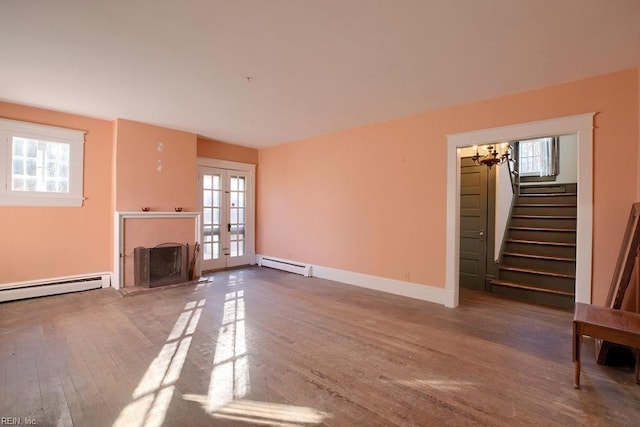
x=315, y=66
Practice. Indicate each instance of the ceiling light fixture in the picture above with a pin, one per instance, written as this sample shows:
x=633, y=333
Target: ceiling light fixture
x=492, y=157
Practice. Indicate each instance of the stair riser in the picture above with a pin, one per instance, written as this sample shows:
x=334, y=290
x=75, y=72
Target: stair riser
x=549, y=282
x=523, y=200
x=524, y=248
x=539, y=264
x=537, y=210
x=543, y=222
x=535, y=297
x=554, y=188
x=544, y=236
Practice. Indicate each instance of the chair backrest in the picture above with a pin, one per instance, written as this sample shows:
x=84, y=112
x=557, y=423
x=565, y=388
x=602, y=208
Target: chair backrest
x=626, y=260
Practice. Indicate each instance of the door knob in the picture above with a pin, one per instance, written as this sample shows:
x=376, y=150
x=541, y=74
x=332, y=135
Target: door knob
x=481, y=233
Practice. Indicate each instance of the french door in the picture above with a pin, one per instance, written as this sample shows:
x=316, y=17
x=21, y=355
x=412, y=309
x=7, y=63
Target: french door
x=224, y=198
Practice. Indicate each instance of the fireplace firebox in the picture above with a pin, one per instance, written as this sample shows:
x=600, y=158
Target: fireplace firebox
x=161, y=265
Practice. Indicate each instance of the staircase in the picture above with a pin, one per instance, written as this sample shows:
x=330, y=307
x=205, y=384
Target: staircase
x=538, y=260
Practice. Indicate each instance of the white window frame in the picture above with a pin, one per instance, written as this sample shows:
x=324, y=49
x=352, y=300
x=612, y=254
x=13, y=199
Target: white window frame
x=75, y=139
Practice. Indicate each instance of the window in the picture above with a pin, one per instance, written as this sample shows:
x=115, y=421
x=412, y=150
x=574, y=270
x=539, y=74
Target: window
x=538, y=157
x=40, y=165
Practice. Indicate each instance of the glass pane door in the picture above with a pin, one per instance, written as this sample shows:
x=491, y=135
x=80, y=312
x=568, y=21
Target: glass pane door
x=237, y=225
x=224, y=201
x=212, y=195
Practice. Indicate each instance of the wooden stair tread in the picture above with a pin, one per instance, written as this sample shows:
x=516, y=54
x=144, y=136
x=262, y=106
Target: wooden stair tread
x=545, y=216
x=531, y=288
x=545, y=257
x=564, y=230
x=539, y=242
x=546, y=205
x=538, y=272
x=547, y=194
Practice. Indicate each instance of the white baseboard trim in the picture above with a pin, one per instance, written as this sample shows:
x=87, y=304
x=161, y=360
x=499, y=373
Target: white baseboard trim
x=53, y=286
x=382, y=284
x=283, y=264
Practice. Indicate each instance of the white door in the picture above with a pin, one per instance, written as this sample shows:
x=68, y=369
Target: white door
x=224, y=200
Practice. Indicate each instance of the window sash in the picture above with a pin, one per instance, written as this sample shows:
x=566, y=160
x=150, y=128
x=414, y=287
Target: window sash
x=529, y=157
x=39, y=166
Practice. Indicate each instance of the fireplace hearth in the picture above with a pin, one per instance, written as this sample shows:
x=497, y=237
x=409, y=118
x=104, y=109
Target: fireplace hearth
x=165, y=264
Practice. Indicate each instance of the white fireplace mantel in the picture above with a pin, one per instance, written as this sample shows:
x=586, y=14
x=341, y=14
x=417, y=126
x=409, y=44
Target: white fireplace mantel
x=118, y=236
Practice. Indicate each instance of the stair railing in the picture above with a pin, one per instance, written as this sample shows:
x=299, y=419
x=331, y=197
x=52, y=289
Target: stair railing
x=514, y=178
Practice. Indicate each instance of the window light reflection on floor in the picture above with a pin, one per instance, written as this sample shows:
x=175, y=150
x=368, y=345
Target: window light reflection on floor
x=229, y=382
x=449, y=385
x=268, y=413
x=230, y=373
x=155, y=390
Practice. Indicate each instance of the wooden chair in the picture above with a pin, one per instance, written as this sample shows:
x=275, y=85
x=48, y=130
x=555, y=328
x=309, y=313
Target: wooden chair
x=610, y=324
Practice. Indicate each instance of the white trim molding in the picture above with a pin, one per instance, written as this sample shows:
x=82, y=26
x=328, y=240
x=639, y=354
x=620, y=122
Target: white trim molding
x=582, y=126
x=377, y=283
x=118, y=236
x=53, y=286
x=226, y=164
x=285, y=265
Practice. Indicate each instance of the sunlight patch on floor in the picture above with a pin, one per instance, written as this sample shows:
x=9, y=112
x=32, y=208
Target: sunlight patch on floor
x=155, y=390
x=447, y=385
x=229, y=382
x=266, y=413
x=230, y=373
x=262, y=413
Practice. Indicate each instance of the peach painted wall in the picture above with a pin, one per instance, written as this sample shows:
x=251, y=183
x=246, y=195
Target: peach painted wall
x=373, y=199
x=155, y=167
x=47, y=242
x=140, y=181
x=638, y=109
x=219, y=150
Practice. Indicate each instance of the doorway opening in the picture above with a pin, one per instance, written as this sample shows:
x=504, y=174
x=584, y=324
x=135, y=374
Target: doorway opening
x=523, y=247
x=582, y=127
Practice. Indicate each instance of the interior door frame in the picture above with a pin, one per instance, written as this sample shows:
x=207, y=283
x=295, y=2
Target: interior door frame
x=250, y=169
x=582, y=126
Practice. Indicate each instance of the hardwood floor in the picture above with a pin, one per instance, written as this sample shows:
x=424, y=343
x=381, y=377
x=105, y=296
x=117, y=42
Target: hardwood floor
x=258, y=346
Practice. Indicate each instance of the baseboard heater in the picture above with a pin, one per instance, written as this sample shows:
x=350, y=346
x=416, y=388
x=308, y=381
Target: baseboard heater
x=61, y=285
x=291, y=267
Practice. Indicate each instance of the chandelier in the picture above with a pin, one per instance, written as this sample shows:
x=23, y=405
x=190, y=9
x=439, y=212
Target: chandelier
x=492, y=157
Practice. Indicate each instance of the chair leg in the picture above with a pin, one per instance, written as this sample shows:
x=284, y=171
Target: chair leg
x=637, y=373
x=577, y=341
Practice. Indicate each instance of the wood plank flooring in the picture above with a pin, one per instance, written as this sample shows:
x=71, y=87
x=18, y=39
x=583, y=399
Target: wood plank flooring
x=261, y=347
